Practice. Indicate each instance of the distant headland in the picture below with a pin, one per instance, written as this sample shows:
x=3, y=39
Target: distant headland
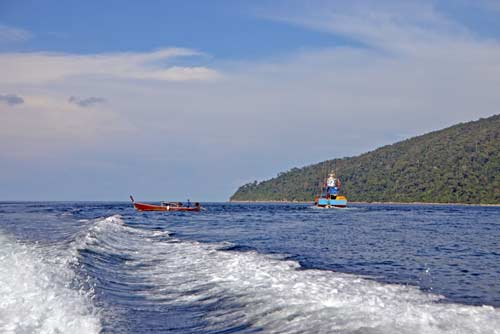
x=456, y=165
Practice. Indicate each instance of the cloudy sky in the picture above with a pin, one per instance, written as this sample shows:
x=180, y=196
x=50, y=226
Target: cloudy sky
x=190, y=99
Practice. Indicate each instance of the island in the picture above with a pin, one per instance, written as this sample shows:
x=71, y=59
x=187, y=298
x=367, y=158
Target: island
x=458, y=164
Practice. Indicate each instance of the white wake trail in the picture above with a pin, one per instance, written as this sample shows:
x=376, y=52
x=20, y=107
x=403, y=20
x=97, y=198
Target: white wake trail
x=36, y=296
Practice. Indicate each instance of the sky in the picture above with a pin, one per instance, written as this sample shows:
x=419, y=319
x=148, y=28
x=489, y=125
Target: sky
x=169, y=100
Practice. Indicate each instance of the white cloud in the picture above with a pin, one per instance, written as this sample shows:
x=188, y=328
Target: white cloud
x=42, y=67
x=46, y=126
x=391, y=25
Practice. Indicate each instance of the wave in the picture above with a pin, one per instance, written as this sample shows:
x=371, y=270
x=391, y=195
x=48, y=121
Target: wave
x=37, y=295
x=248, y=291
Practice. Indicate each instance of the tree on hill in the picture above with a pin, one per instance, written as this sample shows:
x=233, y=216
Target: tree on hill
x=459, y=164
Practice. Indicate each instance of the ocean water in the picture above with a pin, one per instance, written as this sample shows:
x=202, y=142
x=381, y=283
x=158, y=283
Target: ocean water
x=74, y=267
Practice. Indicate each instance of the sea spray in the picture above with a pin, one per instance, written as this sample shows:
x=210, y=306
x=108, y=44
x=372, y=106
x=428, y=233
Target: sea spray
x=36, y=296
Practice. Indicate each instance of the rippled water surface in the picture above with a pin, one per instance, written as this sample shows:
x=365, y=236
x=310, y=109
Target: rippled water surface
x=74, y=267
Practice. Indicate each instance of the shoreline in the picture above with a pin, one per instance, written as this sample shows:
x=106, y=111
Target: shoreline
x=375, y=203
x=268, y=201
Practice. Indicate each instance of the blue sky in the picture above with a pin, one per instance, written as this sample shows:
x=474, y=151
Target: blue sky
x=178, y=99
x=222, y=29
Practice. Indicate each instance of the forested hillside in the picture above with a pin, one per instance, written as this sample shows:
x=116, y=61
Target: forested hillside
x=459, y=164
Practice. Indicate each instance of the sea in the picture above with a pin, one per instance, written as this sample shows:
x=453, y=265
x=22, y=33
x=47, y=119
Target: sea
x=102, y=267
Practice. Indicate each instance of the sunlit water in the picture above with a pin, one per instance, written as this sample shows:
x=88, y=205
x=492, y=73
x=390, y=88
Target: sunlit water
x=249, y=268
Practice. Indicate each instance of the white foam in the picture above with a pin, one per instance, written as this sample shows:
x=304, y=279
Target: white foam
x=270, y=293
x=275, y=295
x=36, y=296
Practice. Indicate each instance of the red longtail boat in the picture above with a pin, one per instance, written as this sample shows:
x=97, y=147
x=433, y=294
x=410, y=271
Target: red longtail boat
x=165, y=206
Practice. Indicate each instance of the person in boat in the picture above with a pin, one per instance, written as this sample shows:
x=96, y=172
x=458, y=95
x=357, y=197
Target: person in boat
x=332, y=180
x=188, y=204
x=333, y=185
x=197, y=204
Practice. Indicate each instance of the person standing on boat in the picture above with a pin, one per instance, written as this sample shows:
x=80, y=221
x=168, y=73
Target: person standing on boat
x=332, y=180
x=333, y=185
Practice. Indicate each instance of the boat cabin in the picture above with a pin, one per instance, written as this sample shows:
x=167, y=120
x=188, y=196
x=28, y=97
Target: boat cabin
x=171, y=204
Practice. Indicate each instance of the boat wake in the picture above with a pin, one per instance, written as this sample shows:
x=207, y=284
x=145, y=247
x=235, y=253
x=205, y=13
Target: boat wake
x=328, y=208
x=37, y=295
x=211, y=288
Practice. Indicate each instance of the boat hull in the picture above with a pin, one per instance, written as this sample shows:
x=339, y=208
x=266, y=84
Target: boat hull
x=151, y=207
x=339, y=202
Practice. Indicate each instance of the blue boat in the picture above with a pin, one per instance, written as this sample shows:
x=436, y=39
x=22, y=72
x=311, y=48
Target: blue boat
x=329, y=197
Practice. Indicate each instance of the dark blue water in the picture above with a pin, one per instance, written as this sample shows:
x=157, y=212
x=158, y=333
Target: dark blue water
x=249, y=268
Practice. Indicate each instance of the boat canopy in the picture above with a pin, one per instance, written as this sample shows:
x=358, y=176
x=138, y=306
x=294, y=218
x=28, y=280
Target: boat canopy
x=171, y=204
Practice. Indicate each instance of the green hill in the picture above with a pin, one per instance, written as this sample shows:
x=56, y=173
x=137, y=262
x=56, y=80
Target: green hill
x=459, y=164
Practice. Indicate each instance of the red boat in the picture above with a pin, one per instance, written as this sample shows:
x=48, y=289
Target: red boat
x=165, y=206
